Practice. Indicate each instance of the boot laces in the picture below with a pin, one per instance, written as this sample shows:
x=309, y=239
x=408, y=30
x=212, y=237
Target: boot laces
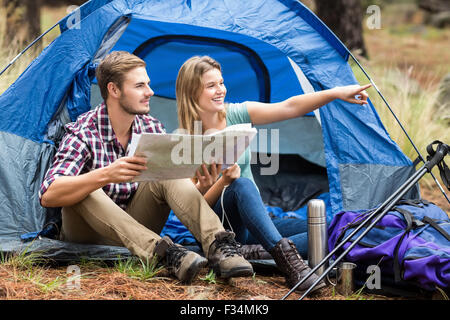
x=229, y=246
x=174, y=256
x=294, y=258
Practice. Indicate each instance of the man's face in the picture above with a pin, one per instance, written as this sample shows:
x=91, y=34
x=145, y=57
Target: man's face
x=136, y=92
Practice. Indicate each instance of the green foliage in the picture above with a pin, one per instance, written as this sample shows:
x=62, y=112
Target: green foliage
x=139, y=269
x=37, y=277
x=23, y=260
x=210, y=277
x=29, y=266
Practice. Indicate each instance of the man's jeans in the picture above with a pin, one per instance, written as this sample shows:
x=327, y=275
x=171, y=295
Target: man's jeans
x=251, y=223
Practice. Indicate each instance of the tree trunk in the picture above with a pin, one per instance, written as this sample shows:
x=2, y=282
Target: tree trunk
x=344, y=18
x=23, y=21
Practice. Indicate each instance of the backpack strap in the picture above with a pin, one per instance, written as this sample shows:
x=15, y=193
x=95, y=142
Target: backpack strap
x=444, y=171
x=434, y=224
x=411, y=223
x=359, y=219
x=419, y=203
x=397, y=267
x=416, y=162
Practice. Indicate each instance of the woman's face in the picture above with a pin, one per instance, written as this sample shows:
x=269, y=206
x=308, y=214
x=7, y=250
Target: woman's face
x=213, y=93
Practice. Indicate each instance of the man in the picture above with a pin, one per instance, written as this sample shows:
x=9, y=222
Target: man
x=91, y=179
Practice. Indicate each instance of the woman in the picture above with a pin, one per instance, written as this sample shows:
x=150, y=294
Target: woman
x=201, y=93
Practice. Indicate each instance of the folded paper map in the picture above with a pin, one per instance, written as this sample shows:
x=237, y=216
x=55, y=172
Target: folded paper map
x=178, y=155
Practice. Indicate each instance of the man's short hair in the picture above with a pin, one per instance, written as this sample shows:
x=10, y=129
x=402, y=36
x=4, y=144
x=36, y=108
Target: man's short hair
x=114, y=67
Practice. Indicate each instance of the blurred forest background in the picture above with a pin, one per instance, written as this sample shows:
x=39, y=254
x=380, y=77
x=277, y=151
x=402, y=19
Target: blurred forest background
x=403, y=45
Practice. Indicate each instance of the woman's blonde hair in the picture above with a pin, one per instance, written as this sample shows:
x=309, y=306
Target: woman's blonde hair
x=189, y=86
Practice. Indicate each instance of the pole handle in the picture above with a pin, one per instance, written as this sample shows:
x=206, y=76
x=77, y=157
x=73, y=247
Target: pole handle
x=436, y=157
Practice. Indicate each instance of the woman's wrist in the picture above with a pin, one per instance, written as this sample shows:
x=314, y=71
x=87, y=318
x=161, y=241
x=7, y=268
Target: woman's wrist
x=222, y=182
x=334, y=93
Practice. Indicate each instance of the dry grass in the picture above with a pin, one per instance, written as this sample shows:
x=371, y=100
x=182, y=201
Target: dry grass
x=414, y=105
x=405, y=43
x=407, y=63
x=433, y=194
x=103, y=283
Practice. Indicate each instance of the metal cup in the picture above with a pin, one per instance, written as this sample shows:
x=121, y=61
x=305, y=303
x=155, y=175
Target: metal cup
x=344, y=278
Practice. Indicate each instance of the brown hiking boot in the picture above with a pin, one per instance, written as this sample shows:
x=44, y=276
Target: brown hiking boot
x=178, y=260
x=291, y=264
x=224, y=258
x=254, y=252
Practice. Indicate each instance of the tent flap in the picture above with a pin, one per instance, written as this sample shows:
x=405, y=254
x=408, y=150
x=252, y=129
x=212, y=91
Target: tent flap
x=23, y=166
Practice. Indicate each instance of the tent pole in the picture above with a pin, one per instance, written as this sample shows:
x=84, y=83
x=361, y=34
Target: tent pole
x=28, y=47
x=398, y=121
x=34, y=41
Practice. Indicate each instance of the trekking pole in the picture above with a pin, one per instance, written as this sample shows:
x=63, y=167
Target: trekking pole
x=442, y=150
x=355, y=231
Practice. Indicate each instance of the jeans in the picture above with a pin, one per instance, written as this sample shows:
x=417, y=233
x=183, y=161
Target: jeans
x=248, y=218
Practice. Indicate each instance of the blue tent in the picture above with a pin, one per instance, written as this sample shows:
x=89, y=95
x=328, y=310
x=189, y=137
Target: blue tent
x=269, y=51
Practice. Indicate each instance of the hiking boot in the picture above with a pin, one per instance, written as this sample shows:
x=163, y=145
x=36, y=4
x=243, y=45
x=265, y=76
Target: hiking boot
x=224, y=258
x=291, y=264
x=179, y=261
x=254, y=252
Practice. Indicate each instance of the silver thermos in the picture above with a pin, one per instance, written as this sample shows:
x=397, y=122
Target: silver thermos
x=317, y=234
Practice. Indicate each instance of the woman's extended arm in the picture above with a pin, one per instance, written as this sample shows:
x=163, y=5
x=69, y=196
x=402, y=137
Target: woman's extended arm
x=263, y=113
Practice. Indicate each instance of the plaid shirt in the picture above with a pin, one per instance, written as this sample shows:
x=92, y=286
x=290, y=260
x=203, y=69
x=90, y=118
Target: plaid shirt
x=90, y=143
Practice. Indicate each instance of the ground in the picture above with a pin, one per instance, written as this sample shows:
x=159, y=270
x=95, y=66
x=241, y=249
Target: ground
x=434, y=195
x=22, y=281
x=103, y=283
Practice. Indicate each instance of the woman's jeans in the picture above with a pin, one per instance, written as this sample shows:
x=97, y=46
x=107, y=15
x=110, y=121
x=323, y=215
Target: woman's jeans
x=250, y=221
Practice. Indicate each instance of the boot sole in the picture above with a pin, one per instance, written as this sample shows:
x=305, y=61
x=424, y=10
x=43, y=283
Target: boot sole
x=316, y=288
x=234, y=272
x=193, y=270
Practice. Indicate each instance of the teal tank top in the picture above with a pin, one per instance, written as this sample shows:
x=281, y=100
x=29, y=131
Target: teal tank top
x=237, y=113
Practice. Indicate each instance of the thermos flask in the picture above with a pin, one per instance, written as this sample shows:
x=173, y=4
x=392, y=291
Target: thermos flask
x=317, y=234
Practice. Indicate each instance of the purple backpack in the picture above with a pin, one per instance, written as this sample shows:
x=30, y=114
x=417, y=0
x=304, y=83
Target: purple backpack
x=410, y=244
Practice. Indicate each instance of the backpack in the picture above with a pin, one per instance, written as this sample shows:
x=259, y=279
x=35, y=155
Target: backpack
x=410, y=244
